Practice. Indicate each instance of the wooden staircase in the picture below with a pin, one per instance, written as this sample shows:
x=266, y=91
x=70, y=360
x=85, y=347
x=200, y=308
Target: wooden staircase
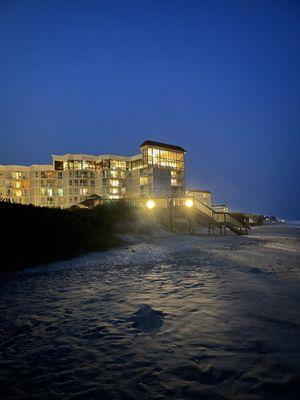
x=218, y=219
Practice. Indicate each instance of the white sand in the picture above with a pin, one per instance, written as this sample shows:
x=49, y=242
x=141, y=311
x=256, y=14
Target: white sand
x=221, y=322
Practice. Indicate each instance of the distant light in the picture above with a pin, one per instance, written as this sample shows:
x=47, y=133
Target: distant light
x=189, y=203
x=150, y=204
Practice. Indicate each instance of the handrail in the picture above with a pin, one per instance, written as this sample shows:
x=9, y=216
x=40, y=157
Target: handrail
x=234, y=221
x=227, y=219
x=204, y=208
x=219, y=217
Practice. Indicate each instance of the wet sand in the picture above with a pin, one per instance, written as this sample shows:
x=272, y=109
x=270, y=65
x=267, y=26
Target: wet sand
x=175, y=317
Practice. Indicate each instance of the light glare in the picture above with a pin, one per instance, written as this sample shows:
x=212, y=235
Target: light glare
x=150, y=204
x=189, y=203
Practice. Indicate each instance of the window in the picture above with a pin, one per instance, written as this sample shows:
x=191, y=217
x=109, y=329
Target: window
x=88, y=165
x=164, y=158
x=46, y=192
x=58, y=165
x=144, y=180
x=83, y=191
x=114, y=182
x=117, y=164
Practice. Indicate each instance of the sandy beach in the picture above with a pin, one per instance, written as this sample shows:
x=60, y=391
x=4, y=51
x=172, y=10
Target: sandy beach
x=171, y=317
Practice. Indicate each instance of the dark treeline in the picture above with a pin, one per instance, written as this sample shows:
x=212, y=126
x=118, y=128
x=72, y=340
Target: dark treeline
x=32, y=235
x=256, y=219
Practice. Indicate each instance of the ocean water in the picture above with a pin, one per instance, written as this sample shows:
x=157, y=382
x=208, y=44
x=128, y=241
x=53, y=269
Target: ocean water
x=175, y=317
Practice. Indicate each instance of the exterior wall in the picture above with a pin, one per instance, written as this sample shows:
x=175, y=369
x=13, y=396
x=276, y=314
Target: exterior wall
x=134, y=183
x=15, y=183
x=46, y=186
x=163, y=171
x=158, y=171
x=202, y=195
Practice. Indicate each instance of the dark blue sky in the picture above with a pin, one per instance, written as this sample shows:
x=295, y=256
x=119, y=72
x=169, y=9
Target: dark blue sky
x=221, y=78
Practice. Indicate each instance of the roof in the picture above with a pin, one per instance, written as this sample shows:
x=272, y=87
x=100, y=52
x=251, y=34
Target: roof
x=159, y=144
x=94, y=196
x=198, y=191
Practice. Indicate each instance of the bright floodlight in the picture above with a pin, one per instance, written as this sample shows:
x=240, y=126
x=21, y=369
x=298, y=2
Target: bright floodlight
x=189, y=203
x=150, y=204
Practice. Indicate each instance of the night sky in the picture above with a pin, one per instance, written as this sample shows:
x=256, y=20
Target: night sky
x=220, y=78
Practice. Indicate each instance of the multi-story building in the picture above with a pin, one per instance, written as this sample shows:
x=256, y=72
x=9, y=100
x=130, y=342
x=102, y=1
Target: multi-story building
x=158, y=171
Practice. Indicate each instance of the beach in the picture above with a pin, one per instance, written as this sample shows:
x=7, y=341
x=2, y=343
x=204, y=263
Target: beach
x=166, y=317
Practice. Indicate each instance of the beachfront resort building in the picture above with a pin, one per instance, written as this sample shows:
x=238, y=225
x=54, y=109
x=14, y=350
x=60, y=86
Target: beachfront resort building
x=157, y=171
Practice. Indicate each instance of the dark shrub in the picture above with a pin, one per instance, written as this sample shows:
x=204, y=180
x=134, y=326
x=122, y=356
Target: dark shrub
x=32, y=235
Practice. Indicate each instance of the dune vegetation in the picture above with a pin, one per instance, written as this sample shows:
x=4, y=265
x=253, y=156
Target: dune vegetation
x=32, y=235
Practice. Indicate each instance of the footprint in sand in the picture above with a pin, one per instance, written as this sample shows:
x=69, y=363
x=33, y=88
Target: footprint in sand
x=147, y=319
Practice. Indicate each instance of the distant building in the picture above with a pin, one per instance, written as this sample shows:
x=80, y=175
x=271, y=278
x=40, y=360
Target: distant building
x=202, y=195
x=157, y=171
x=220, y=208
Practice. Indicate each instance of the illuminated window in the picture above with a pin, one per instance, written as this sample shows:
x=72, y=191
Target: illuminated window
x=60, y=192
x=164, y=158
x=85, y=164
x=174, y=182
x=46, y=192
x=117, y=164
x=77, y=165
x=144, y=180
x=114, y=182
x=18, y=193
x=16, y=175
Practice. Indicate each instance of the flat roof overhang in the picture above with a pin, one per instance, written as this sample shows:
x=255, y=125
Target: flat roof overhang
x=163, y=145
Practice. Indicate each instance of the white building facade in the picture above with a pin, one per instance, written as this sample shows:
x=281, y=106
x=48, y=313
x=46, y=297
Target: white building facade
x=158, y=171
